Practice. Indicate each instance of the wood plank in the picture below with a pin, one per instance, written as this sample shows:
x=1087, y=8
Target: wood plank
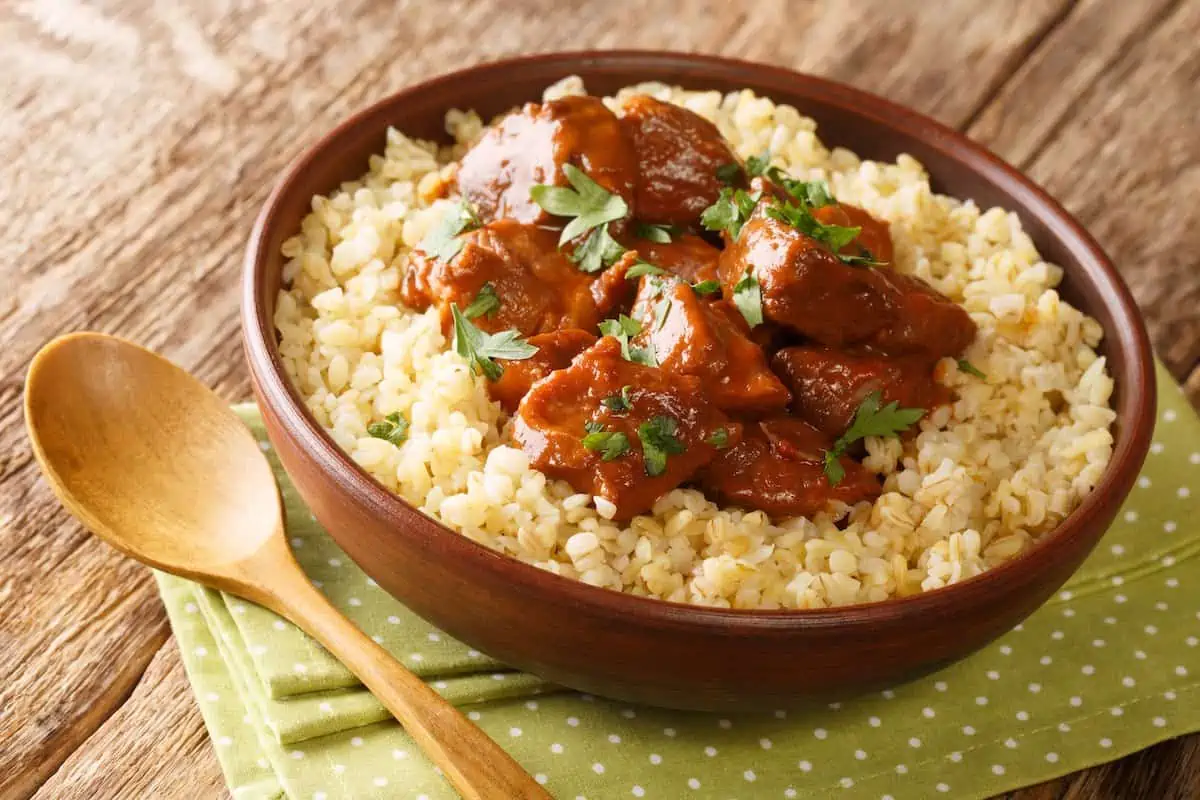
x=143, y=136
x=1104, y=115
x=170, y=757
x=79, y=627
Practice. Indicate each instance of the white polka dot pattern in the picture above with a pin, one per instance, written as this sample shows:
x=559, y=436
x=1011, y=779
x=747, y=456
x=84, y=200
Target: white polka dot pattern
x=1105, y=668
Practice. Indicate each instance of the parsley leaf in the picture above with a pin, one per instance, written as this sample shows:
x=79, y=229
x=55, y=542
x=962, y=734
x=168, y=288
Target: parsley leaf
x=656, y=233
x=801, y=218
x=643, y=355
x=813, y=194
x=730, y=212
x=747, y=296
x=869, y=420
x=643, y=268
x=719, y=438
x=589, y=203
x=479, y=348
x=706, y=288
x=619, y=403
x=394, y=428
x=621, y=326
x=486, y=303
x=621, y=329
x=598, y=251
x=818, y=194
x=758, y=165
x=971, y=369
x=610, y=444
x=728, y=174
x=834, y=470
x=864, y=259
x=442, y=242
x=662, y=310
x=658, y=441
x=591, y=426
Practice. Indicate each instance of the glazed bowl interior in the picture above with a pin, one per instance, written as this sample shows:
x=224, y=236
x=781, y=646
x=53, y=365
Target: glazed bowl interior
x=361, y=514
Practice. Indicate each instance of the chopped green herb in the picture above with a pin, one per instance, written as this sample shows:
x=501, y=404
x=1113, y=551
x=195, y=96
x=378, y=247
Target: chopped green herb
x=813, y=194
x=621, y=329
x=729, y=174
x=656, y=233
x=662, y=310
x=589, y=203
x=599, y=251
x=394, y=428
x=730, y=212
x=863, y=259
x=818, y=194
x=747, y=296
x=479, y=348
x=619, y=403
x=971, y=369
x=801, y=218
x=719, y=438
x=834, y=470
x=643, y=355
x=758, y=165
x=621, y=326
x=486, y=303
x=610, y=444
x=592, y=426
x=658, y=441
x=706, y=288
x=643, y=268
x=869, y=420
x=442, y=242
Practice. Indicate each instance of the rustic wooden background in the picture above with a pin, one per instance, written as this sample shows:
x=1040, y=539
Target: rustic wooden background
x=138, y=138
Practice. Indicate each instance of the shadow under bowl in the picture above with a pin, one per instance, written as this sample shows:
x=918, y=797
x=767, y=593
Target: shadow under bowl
x=645, y=650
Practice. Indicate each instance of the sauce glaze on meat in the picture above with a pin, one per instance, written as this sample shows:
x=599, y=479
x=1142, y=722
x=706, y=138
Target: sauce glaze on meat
x=654, y=358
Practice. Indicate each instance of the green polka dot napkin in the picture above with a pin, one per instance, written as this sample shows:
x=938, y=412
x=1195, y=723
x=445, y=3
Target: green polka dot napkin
x=1109, y=666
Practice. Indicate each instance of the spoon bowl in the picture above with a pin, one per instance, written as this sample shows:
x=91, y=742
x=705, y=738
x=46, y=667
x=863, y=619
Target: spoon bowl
x=113, y=422
x=159, y=467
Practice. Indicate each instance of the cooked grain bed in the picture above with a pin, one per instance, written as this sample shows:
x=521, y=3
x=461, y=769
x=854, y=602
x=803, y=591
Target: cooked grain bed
x=982, y=480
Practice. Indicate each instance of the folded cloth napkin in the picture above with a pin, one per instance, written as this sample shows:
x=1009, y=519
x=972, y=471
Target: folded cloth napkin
x=1107, y=667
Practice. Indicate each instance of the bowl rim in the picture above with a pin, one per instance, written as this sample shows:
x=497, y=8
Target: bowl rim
x=266, y=367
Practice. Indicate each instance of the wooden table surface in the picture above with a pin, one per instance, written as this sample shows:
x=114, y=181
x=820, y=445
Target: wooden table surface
x=137, y=140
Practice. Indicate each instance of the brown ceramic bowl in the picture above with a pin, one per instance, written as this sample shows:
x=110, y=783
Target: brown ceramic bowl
x=647, y=650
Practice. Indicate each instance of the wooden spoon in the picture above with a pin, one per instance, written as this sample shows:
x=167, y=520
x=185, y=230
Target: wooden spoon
x=159, y=467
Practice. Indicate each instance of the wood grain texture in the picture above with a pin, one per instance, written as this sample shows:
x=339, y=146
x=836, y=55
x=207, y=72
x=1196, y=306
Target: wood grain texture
x=1104, y=115
x=138, y=138
x=170, y=756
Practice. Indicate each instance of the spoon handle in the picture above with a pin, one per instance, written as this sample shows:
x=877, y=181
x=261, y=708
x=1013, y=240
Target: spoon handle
x=476, y=766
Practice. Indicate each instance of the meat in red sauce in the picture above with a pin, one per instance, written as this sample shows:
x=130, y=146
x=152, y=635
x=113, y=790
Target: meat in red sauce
x=804, y=286
x=692, y=336
x=687, y=256
x=684, y=390
x=530, y=147
x=808, y=289
x=678, y=154
x=562, y=409
x=554, y=351
x=829, y=385
x=778, y=468
x=875, y=240
x=539, y=289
